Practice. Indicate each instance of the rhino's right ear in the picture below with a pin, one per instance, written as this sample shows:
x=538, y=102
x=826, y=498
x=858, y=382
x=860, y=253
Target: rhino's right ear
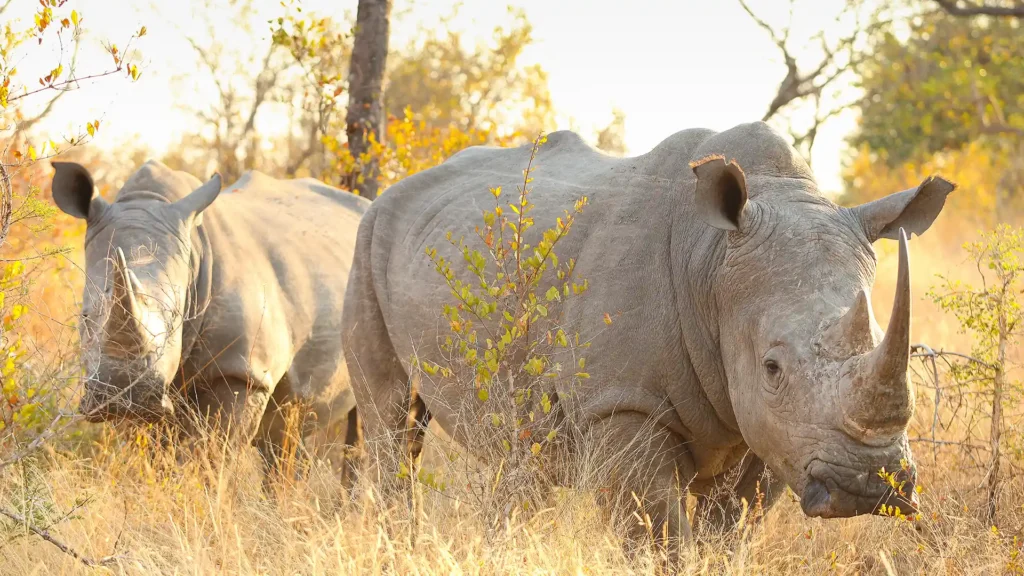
x=721, y=194
x=74, y=191
x=192, y=206
x=913, y=210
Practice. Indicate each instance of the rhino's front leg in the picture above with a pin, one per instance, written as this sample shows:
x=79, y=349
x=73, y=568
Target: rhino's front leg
x=647, y=462
x=719, y=508
x=233, y=407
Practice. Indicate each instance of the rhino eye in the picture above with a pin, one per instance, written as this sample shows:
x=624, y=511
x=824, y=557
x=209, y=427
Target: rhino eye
x=772, y=368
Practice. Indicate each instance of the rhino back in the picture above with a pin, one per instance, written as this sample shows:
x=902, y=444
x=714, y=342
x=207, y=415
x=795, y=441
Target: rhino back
x=282, y=251
x=622, y=243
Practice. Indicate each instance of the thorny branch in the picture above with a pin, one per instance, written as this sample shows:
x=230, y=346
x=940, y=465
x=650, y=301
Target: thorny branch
x=930, y=357
x=928, y=352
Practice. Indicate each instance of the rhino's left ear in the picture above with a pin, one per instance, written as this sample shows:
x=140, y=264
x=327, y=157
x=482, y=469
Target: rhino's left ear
x=192, y=206
x=913, y=210
x=721, y=194
x=74, y=191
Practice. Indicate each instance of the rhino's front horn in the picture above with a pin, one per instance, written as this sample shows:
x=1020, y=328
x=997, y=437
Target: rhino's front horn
x=123, y=324
x=878, y=401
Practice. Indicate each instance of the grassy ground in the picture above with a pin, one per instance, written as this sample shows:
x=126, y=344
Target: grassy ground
x=156, y=512
x=148, y=511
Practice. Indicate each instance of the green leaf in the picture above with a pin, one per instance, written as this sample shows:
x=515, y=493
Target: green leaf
x=535, y=366
x=552, y=294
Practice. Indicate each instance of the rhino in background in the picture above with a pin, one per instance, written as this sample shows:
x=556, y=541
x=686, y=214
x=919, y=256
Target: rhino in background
x=746, y=339
x=228, y=309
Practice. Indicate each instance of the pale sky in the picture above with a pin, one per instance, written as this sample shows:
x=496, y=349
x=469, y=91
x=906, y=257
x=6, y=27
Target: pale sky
x=668, y=64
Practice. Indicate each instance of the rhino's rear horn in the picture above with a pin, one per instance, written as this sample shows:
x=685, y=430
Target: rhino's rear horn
x=854, y=332
x=879, y=401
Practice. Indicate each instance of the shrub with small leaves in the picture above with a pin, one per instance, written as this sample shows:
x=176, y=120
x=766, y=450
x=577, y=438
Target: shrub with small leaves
x=991, y=313
x=506, y=346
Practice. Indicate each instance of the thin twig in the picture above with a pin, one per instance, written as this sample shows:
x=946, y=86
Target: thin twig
x=35, y=444
x=940, y=353
x=45, y=535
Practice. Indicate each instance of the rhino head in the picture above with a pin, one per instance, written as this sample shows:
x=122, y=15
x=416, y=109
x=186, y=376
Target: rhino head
x=139, y=270
x=818, y=390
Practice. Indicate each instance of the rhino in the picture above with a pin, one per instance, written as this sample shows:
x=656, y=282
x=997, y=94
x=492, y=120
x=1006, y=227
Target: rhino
x=214, y=313
x=743, y=347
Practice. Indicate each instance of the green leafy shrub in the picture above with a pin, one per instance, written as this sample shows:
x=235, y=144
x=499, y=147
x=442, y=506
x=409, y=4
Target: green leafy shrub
x=506, y=346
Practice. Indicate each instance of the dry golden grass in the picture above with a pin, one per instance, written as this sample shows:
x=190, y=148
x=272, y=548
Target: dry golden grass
x=159, y=512
x=208, y=515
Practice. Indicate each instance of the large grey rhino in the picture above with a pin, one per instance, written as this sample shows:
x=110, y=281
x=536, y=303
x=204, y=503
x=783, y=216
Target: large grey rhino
x=228, y=309
x=746, y=337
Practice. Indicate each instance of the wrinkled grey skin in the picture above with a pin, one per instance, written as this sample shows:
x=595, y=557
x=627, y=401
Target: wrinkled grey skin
x=745, y=325
x=229, y=307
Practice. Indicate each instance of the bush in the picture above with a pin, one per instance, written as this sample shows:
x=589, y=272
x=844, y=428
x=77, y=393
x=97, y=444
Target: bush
x=991, y=314
x=506, y=348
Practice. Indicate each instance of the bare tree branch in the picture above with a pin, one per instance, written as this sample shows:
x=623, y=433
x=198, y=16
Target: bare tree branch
x=45, y=535
x=6, y=202
x=265, y=82
x=960, y=8
x=779, y=41
x=928, y=352
x=797, y=85
x=209, y=61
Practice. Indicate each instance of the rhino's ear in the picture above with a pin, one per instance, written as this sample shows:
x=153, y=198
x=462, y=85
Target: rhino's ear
x=913, y=210
x=721, y=195
x=192, y=206
x=74, y=191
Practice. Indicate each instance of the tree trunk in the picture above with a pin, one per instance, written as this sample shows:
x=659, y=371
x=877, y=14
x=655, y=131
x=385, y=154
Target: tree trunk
x=365, y=81
x=997, y=416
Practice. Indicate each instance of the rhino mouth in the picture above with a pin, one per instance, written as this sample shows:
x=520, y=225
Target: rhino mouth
x=123, y=406
x=837, y=491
